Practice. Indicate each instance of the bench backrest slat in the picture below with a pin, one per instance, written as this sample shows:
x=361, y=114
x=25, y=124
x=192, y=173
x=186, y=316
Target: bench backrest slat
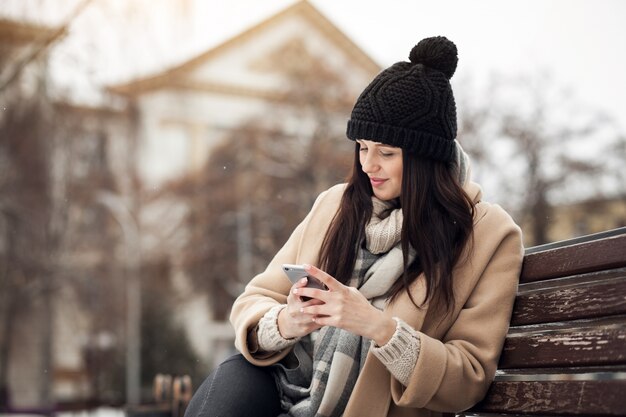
x=598, y=294
x=584, y=346
x=591, y=256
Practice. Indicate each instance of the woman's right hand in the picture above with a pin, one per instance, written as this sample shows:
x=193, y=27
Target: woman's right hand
x=291, y=321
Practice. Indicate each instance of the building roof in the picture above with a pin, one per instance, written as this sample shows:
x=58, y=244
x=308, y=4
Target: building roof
x=171, y=77
x=15, y=32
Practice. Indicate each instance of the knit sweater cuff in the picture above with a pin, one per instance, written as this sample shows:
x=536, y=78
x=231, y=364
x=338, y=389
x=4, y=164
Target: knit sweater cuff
x=268, y=335
x=400, y=353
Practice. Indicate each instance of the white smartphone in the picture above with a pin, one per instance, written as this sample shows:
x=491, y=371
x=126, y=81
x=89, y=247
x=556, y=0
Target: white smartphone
x=297, y=272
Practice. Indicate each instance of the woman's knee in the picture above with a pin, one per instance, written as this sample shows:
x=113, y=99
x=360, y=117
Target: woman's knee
x=236, y=388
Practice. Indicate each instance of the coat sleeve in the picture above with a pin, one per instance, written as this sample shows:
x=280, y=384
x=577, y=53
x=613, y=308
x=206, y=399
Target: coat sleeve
x=272, y=286
x=454, y=373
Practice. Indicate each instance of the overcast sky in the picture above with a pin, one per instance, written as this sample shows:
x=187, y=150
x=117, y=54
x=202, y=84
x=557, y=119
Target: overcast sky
x=581, y=44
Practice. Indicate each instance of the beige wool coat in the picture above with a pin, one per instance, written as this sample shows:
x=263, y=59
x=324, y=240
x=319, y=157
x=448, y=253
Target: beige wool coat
x=459, y=351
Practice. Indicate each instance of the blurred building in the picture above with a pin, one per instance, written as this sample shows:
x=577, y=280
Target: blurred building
x=187, y=110
x=120, y=161
x=25, y=356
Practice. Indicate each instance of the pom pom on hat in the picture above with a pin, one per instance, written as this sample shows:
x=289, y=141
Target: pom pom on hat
x=437, y=53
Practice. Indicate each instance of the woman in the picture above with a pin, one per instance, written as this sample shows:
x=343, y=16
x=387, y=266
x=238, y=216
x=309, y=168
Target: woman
x=421, y=274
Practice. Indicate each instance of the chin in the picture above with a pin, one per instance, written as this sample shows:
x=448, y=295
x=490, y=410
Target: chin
x=385, y=196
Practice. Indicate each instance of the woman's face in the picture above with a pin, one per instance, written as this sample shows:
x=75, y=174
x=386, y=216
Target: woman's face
x=383, y=165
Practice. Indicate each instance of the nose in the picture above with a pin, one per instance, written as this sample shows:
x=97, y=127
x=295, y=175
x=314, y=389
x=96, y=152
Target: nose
x=369, y=164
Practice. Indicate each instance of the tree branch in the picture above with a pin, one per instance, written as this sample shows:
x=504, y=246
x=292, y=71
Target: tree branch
x=56, y=35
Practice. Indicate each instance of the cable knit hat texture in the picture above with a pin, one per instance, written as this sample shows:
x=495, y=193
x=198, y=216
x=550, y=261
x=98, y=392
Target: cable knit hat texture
x=410, y=104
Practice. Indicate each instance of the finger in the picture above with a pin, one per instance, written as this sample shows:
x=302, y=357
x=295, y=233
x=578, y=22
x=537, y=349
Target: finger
x=312, y=302
x=314, y=293
x=317, y=310
x=307, y=301
x=326, y=279
x=300, y=283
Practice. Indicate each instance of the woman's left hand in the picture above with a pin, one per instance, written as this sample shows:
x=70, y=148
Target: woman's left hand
x=346, y=308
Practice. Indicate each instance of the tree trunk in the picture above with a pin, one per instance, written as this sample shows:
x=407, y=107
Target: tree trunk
x=9, y=296
x=45, y=383
x=541, y=219
x=7, y=318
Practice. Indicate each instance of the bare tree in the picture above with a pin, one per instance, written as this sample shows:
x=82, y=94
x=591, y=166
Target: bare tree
x=50, y=169
x=25, y=203
x=536, y=145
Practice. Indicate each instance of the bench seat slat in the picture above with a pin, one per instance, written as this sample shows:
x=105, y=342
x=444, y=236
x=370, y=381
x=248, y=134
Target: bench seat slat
x=591, y=256
x=580, y=398
x=568, y=302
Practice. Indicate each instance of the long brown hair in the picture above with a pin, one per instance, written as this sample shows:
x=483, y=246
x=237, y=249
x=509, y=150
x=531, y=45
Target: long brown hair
x=437, y=224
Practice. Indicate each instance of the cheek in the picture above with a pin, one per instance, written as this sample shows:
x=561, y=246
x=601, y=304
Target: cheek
x=398, y=172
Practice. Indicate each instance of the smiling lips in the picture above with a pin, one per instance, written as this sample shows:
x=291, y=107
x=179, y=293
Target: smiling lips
x=377, y=182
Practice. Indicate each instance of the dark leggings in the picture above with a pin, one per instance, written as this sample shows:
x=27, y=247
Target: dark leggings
x=236, y=388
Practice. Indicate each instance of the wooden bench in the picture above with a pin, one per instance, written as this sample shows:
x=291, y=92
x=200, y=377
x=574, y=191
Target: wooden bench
x=565, y=353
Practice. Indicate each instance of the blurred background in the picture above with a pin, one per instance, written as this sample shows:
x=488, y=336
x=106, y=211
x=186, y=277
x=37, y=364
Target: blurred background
x=155, y=154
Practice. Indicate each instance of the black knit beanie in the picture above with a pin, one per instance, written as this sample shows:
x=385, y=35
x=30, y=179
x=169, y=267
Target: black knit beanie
x=410, y=104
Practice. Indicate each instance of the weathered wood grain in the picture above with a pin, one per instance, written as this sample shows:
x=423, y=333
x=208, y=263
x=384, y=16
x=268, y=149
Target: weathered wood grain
x=577, y=398
x=576, y=259
x=594, y=346
x=569, y=302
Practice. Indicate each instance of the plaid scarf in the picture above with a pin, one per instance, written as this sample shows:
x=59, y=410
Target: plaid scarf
x=318, y=376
